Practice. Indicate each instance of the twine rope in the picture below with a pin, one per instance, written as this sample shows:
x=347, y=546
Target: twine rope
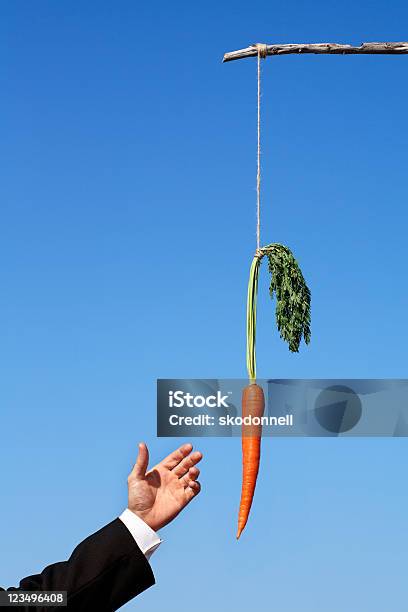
x=259, y=253
x=262, y=53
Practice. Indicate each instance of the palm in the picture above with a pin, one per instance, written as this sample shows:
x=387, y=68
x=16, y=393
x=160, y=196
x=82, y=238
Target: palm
x=160, y=494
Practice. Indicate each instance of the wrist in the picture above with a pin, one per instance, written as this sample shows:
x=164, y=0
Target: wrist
x=146, y=518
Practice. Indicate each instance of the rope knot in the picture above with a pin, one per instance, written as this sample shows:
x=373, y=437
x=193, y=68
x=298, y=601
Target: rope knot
x=262, y=50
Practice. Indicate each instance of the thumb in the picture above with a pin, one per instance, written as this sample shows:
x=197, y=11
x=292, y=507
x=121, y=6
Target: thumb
x=142, y=461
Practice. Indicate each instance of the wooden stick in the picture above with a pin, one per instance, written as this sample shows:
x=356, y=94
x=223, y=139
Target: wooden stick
x=395, y=48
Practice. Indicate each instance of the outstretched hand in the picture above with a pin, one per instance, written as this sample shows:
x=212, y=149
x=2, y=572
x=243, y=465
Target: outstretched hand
x=157, y=496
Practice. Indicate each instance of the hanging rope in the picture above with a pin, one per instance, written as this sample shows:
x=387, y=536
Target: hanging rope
x=262, y=53
x=287, y=283
x=254, y=272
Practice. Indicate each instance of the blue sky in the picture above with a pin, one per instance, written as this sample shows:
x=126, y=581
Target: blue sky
x=127, y=195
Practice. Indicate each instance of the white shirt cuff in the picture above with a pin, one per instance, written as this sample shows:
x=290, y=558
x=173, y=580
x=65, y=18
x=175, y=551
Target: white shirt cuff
x=147, y=540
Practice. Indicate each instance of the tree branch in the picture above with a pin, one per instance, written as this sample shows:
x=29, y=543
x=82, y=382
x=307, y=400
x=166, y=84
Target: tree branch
x=393, y=48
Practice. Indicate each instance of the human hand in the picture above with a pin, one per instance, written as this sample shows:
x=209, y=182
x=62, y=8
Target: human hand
x=159, y=495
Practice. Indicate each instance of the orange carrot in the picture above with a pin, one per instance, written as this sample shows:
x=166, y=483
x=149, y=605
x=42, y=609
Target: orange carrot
x=253, y=404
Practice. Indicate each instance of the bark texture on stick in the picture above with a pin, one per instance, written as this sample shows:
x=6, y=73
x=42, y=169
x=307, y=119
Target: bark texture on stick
x=391, y=48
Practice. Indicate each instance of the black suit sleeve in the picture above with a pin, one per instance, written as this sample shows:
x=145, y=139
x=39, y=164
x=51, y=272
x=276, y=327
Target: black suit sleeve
x=104, y=572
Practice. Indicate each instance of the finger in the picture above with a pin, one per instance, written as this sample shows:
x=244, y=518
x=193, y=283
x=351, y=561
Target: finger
x=193, y=474
x=192, y=490
x=176, y=456
x=142, y=461
x=187, y=463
